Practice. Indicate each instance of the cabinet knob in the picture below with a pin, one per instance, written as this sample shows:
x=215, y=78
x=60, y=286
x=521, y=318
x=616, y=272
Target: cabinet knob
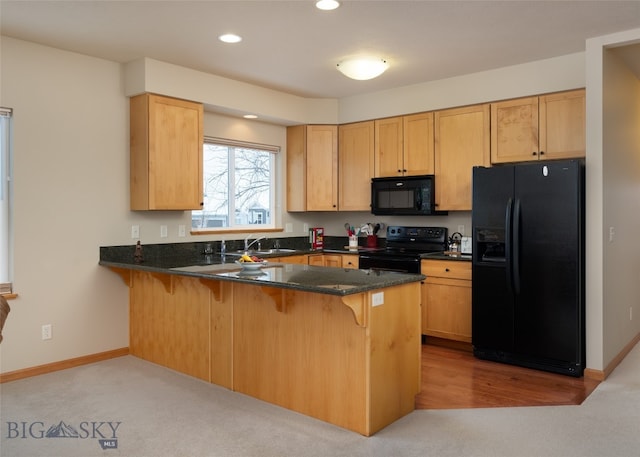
x=541, y=152
x=535, y=153
x=446, y=269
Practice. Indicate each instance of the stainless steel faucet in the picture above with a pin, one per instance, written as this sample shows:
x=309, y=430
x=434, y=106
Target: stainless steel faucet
x=247, y=245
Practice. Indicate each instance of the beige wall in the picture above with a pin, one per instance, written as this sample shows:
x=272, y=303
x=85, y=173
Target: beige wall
x=612, y=268
x=621, y=204
x=71, y=175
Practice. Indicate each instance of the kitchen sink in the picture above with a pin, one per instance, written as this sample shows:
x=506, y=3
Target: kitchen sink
x=239, y=252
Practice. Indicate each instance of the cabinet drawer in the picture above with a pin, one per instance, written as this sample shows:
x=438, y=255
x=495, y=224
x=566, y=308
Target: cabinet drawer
x=446, y=269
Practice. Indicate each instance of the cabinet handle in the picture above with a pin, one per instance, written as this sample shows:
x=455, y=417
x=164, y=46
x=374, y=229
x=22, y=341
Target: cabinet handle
x=446, y=269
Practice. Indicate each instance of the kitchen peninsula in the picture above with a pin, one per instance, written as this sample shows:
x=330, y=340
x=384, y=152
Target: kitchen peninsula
x=340, y=345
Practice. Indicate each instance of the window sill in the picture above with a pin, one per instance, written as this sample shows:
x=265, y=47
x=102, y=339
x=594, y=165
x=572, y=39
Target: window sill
x=226, y=231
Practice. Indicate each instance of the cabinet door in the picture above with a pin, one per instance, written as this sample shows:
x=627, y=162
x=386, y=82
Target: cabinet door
x=350, y=261
x=461, y=142
x=418, y=144
x=322, y=168
x=312, y=168
x=388, y=147
x=166, y=153
x=514, y=130
x=355, y=154
x=562, y=125
x=316, y=260
x=297, y=168
x=446, y=308
x=332, y=260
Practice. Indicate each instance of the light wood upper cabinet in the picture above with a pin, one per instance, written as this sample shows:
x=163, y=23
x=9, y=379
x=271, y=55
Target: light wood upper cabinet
x=462, y=141
x=388, y=158
x=419, y=144
x=538, y=128
x=563, y=125
x=312, y=168
x=166, y=140
x=356, y=165
x=404, y=146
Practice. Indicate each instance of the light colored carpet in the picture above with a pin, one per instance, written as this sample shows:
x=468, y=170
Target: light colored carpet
x=163, y=413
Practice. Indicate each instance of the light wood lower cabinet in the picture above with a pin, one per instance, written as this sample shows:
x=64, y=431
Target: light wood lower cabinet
x=334, y=260
x=290, y=259
x=350, y=261
x=446, y=299
x=335, y=358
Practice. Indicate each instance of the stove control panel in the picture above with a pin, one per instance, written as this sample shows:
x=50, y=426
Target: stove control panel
x=417, y=234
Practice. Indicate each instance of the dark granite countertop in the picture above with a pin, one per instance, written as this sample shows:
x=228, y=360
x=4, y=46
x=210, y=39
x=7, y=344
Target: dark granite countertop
x=443, y=256
x=325, y=280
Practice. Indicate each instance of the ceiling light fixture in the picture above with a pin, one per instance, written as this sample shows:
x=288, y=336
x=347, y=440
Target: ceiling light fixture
x=363, y=68
x=327, y=5
x=250, y=116
x=230, y=38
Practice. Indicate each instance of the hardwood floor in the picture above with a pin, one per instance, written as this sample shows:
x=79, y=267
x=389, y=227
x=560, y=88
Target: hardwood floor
x=454, y=378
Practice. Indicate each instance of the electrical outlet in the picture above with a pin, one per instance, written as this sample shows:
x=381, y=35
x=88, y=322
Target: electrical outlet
x=46, y=332
x=612, y=234
x=377, y=299
x=288, y=227
x=461, y=229
x=182, y=232
x=135, y=232
x=163, y=231
x=305, y=228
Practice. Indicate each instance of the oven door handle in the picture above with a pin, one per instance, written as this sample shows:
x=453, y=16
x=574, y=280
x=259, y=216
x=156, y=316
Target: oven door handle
x=388, y=259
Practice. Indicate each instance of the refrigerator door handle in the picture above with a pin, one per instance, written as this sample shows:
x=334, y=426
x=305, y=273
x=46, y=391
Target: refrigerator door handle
x=515, y=248
x=508, y=226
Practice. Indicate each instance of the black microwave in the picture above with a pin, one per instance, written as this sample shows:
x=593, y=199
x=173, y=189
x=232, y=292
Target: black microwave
x=405, y=195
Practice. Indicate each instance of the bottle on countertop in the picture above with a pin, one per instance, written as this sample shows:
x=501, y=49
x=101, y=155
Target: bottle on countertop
x=223, y=248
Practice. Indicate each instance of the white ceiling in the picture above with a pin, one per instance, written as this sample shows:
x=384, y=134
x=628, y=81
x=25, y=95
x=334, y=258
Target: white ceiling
x=293, y=47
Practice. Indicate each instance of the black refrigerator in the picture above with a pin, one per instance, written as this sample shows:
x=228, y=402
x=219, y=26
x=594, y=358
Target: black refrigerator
x=528, y=265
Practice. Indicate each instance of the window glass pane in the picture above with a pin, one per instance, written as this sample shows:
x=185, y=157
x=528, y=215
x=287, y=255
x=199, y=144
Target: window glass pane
x=5, y=247
x=238, y=187
x=252, y=186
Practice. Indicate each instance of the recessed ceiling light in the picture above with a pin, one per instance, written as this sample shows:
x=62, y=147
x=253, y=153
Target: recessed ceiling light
x=327, y=4
x=250, y=116
x=230, y=38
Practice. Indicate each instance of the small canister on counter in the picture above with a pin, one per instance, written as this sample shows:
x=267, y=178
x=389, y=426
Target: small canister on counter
x=316, y=238
x=372, y=241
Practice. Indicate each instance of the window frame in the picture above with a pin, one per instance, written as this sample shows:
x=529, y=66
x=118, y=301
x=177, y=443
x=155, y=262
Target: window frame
x=6, y=190
x=273, y=176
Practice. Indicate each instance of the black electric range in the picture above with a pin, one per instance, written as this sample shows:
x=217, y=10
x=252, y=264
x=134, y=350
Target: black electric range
x=404, y=248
